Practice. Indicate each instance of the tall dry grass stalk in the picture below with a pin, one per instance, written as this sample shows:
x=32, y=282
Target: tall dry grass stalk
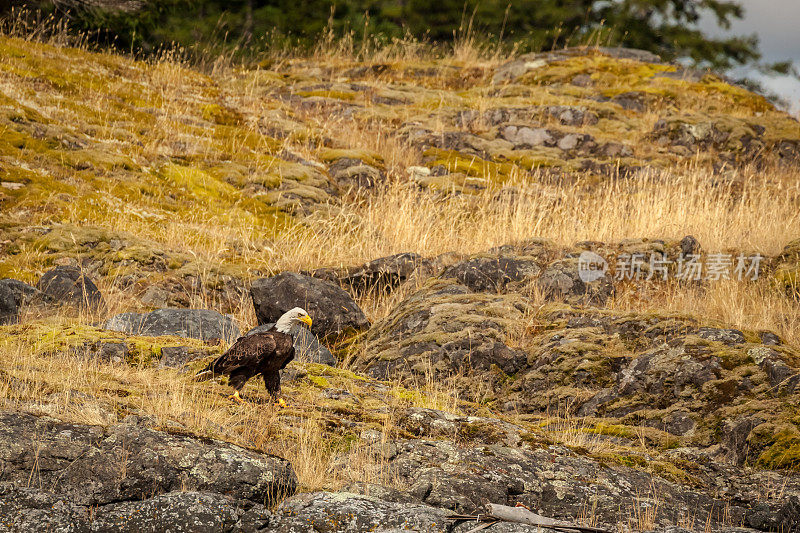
x=754, y=213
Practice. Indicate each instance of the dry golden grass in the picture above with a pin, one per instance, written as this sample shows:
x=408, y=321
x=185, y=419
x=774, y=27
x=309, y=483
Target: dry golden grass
x=69, y=384
x=749, y=210
x=761, y=216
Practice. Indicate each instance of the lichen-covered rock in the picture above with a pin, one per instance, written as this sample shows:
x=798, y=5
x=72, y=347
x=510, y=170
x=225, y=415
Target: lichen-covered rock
x=563, y=280
x=33, y=509
x=92, y=465
x=203, y=324
x=354, y=174
x=70, y=286
x=433, y=423
x=559, y=483
x=448, y=329
x=384, y=273
x=528, y=62
x=29, y=509
x=199, y=512
x=179, y=356
x=354, y=513
x=493, y=274
x=333, y=311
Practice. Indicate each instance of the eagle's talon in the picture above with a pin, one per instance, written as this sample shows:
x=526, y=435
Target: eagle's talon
x=280, y=403
x=236, y=398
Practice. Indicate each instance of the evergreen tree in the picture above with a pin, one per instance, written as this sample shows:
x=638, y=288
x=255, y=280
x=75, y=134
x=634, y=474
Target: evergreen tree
x=666, y=27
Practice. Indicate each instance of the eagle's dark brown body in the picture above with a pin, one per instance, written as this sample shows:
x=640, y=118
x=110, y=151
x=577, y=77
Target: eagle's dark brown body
x=260, y=353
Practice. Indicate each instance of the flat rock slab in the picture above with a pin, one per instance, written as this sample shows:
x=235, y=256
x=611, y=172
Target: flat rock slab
x=355, y=513
x=202, y=324
x=94, y=465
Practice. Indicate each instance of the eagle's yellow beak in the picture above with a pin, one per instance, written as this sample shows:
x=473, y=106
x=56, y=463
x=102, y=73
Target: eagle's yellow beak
x=306, y=319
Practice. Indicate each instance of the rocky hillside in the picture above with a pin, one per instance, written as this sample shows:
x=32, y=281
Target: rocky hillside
x=434, y=215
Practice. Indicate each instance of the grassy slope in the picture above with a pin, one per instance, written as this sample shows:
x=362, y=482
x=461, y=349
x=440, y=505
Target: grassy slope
x=151, y=172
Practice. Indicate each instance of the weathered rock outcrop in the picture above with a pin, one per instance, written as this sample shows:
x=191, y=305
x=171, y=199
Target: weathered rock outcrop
x=24, y=294
x=562, y=280
x=492, y=274
x=30, y=509
x=446, y=329
x=96, y=466
x=559, y=483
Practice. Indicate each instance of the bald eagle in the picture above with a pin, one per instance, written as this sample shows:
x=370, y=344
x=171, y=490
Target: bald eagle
x=264, y=353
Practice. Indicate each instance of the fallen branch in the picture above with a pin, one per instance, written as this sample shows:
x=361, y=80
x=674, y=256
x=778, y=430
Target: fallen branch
x=521, y=515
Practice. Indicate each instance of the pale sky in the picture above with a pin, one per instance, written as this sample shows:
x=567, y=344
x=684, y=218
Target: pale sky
x=777, y=24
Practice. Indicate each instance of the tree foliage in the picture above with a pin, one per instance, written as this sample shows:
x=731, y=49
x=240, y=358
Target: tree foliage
x=666, y=27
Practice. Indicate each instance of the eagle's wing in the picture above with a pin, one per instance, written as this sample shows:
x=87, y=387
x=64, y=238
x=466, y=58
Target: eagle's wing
x=246, y=352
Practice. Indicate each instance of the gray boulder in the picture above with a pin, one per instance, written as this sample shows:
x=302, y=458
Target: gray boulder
x=307, y=347
x=68, y=285
x=332, y=309
x=29, y=509
x=95, y=465
x=9, y=309
x=354, y=174
x=202, y=324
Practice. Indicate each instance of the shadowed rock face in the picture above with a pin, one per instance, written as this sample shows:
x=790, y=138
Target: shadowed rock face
x=69, y=286
x=9, y=308
x=202, y=324
x=93, y=465
x=333, y=310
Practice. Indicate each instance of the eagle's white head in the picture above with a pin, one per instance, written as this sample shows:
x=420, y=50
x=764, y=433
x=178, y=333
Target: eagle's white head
x=292, y=320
